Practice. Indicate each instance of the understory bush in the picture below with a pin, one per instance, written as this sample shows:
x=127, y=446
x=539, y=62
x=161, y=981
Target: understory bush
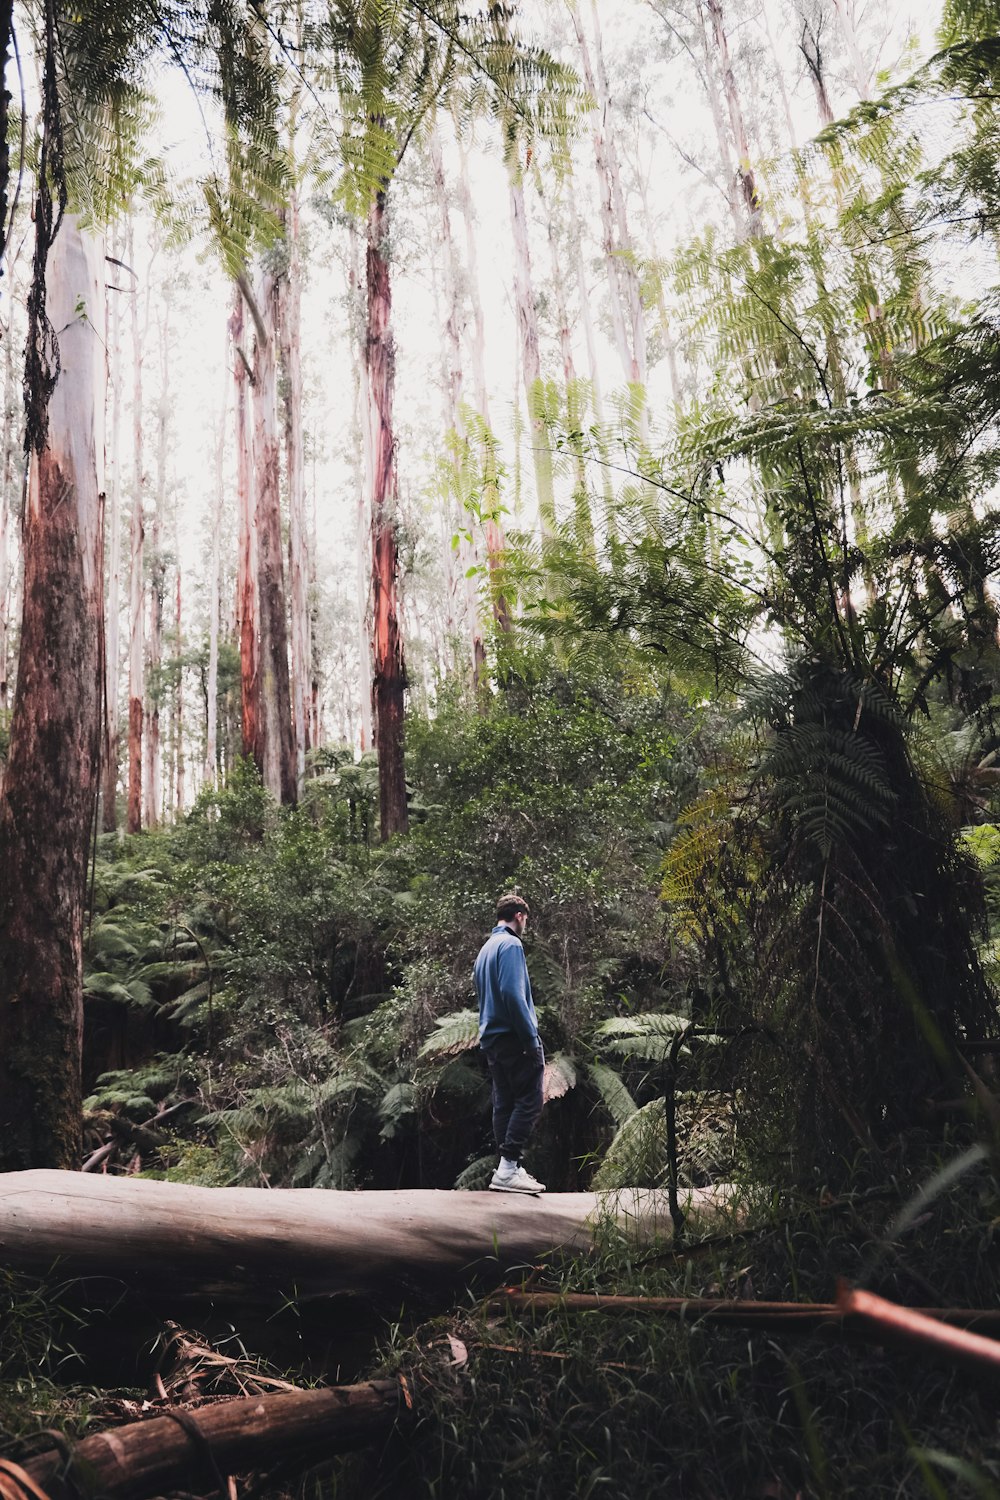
x=266, y=987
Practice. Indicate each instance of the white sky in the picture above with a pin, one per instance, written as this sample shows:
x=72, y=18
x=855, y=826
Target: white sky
x=660, y=113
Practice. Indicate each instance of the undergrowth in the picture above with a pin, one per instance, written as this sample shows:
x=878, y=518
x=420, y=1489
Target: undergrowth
x=510, y=1406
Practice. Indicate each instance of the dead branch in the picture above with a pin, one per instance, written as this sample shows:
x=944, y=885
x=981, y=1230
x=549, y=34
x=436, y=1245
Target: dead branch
x=883, y=1321
x=15, y=1484
x=193, y=1448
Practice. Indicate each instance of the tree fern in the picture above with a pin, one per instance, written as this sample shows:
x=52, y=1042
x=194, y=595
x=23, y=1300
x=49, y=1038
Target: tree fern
x=611, y=1091
x=453, y=1034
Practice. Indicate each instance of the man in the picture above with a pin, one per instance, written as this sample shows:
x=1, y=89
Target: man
x=508, y=1034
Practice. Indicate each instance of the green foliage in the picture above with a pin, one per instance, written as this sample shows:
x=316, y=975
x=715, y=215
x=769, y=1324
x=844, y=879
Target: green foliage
x=392, y=68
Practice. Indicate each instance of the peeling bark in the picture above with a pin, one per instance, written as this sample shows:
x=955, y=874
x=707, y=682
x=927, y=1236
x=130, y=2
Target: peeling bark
x=49, y=794
x=389, y=668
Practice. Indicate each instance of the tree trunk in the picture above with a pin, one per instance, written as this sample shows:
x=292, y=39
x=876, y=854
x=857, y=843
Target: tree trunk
x=192, y=1450
x=531, y=363
x=49, y=794
x=112, y=511
x=239, y=1243
x=718, y=120
x=619, y=250
x=468, y=551
x=597, y=397
x=745, y=173
x=849, y=36
x=290, y=327
x=246, y=572
x=136, y=653
x=666, y=330
x=277, y=766
x=178, y=735
x=361, y=438
x=583, y=521
x=8, y=479
x=389, y=669
x=212, y=686
x=157, y=592
x=493, y=531
x=6, y=26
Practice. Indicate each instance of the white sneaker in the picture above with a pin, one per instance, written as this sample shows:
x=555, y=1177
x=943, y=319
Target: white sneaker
x=518, y=1181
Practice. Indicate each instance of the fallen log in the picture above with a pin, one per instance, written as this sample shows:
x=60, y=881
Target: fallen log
x=229, y=1242
x=197, y=1449
x=771, y=1317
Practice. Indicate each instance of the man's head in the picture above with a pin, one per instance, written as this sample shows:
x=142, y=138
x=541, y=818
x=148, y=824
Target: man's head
x=514, y=911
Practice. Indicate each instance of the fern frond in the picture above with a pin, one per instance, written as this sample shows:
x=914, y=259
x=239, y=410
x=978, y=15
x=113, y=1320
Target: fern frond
x=454, y=1033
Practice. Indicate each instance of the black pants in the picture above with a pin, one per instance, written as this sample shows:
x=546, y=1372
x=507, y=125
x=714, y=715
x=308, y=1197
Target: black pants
x=517, y=1077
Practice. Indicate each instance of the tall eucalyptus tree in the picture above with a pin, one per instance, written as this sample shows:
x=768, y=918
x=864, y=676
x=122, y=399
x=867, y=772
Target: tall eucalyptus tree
x=94, y=56
x=50, y=788
x=392, y=67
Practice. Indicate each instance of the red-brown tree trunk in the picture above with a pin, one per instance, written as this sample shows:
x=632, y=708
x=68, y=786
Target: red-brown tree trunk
x=389, y=668
x=48, y=801
x=246, y=572
x=278, y=761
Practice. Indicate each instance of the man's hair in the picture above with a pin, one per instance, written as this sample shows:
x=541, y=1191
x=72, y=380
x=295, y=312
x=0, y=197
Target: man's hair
x=509, y=905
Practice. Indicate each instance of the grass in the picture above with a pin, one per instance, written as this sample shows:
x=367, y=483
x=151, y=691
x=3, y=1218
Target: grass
x=559, y=1404
x=579, y=1405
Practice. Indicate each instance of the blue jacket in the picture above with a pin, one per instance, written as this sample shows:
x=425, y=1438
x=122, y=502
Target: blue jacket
x=506, y=1008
